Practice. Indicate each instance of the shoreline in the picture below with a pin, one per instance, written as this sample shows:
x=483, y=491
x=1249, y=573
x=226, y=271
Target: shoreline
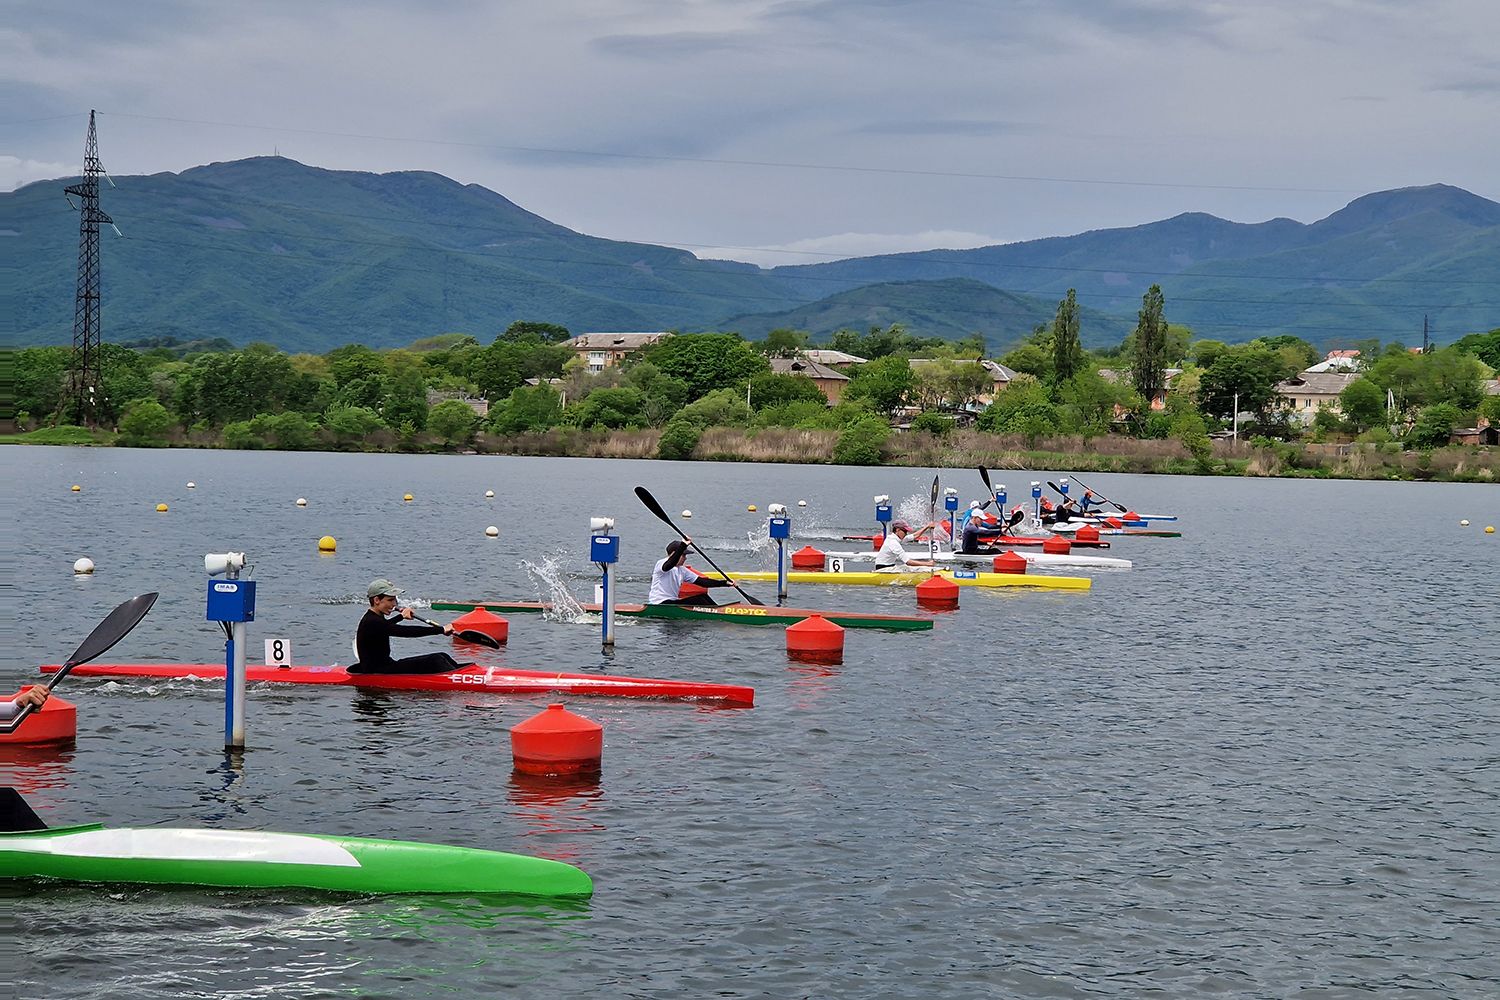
x=957, y=449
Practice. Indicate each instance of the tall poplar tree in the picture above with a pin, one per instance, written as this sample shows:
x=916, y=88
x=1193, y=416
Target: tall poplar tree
x=1067, y=352
x=1147, y=368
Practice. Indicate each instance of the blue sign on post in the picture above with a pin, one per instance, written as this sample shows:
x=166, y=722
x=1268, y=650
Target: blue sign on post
x=604, y=549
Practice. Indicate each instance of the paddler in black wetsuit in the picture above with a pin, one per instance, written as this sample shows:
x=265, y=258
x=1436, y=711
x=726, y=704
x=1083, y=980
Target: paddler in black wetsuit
x=373, y=641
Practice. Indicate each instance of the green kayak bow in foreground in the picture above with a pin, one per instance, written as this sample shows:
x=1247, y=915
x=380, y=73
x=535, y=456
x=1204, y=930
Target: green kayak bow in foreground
x=251, y=860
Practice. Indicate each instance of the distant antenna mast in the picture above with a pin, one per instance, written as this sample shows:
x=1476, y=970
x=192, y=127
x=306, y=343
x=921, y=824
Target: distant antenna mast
x=1425, y=342
x=86, y=375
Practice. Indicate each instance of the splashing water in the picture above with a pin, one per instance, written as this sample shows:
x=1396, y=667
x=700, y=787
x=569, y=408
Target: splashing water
x=916, y=510
x=547, y=578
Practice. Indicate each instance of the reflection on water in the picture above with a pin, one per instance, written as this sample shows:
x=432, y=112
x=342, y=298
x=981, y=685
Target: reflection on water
x=558, y=808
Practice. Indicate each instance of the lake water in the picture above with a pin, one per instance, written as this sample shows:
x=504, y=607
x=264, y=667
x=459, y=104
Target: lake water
x=1262, y=763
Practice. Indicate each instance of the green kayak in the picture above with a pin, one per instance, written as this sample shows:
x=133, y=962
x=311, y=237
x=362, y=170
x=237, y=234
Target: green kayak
x=251, y=860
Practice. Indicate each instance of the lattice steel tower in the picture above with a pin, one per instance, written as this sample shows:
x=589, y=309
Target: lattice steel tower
x=85, y=379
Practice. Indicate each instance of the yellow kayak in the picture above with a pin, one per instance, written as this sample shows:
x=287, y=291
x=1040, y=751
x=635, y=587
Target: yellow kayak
x=910, y=578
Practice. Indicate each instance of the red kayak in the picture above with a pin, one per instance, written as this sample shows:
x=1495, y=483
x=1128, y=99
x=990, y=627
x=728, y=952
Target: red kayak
x=468, y=679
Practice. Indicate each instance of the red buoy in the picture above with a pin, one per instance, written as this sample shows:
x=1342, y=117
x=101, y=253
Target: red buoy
x=807, y=557
x=556, y=742
x=816, y=639
x=1010, y=562
x=875, y=541
x=1087, y=533
x=1131, y=515
x=1057, y=546
x=481, y=620
x=937, y=594
x=55, y=722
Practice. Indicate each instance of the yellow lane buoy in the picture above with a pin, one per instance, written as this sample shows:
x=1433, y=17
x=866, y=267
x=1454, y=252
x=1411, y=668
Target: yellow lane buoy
x=77, y=488
x=327, y=544
x=407, y=498
x=161, y=508
x=302, y=501
x=751, y=508
x=1489, y=529
x=83, y=567
x=492, y=531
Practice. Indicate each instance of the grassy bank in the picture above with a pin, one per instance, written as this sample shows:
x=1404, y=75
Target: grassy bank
x=920, y=449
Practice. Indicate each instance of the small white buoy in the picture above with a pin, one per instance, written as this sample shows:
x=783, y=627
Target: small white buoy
x=83, y=567
x=687, y=513
x=302, y=501
x=801, y=503
x=1464, y=523
x=489, y=494
x=492, y=531
x=192, y=486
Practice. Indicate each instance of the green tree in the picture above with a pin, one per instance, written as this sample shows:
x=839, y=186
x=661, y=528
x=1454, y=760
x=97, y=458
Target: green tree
x=771, y=389
x=1484, y=346
x=541, y=333
x=1250, y=372
x=1434, y=426
x=707, y=361
x=612, y=408
x=40, y=374
x=529, y=408
x=783, y=343
x=406, y=400
x=886, y=382
x=678, y=439
x=933, y=423
x=349, y=424
x=1147, y=368
x=353, y=362
x=721, y=408
x=664, y=394
x=862, y=443
x=454, y=421
x=1363, y=404
x=1490, y=410
x=146, y=424
x=1067, y=349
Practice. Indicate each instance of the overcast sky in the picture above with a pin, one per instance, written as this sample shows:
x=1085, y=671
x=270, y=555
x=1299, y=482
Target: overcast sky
x=790, y=131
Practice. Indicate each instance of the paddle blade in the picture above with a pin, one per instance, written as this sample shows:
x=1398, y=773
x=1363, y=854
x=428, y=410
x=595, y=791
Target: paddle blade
x=477, y=638
x=984, y=474
x=1016, y=517
x=110, y=631
x=934, y=491
x=645, y=497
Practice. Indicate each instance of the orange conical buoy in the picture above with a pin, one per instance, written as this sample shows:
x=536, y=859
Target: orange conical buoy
x=483, y=620
x=1010, y=562
x=815, y=638
x=807, y=557
x=54, y=723
x=1131, y=515
x=1087, y=533
x=1057, y=546
x=556, y=742
x=937, y=594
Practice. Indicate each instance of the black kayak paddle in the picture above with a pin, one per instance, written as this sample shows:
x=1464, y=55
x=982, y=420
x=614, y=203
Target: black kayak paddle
x=644, y=495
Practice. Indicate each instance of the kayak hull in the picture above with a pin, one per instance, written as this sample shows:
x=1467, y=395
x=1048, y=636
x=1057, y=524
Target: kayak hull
x=964, y=578
x=471, y=679
x=1008, y=540
x=252, y=860
x=738, y=614
x=986, y=559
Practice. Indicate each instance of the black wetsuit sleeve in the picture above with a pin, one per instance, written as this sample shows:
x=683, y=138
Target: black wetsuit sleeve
x=394, y=627
x=710, y=581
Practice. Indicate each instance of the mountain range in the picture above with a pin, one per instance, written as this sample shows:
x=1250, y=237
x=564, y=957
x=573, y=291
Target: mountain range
x=306, y=258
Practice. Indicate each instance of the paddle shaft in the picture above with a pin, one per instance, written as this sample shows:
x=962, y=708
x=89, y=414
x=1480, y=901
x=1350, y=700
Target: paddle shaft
x=644, y=495
x=466, y=634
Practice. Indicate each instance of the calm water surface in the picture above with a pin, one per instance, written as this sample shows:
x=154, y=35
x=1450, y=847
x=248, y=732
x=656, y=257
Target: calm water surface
x=1262, y=763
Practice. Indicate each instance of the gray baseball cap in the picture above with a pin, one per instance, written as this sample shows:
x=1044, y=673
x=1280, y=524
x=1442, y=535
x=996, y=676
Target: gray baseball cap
x=383, y=588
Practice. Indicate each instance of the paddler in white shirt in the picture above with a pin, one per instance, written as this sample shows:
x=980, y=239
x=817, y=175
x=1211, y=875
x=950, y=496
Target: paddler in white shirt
x=891, y=555
x=668, y=576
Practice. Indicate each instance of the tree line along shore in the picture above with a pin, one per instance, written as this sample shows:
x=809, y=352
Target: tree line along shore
x=1159, y=401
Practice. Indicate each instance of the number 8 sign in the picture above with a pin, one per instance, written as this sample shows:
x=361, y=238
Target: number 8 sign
x=278, y=653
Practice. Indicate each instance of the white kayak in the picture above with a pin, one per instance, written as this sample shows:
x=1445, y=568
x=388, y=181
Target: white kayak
x=1032, y=558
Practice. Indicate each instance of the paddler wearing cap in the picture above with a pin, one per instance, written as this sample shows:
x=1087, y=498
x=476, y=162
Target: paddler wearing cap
x=373, y=640
x=892, y=554
x=668, y=576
